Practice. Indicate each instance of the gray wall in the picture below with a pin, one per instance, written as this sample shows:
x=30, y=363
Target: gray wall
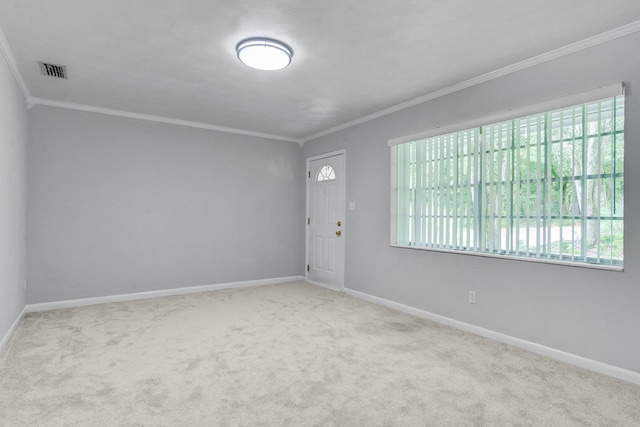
x=13, y=142
x=587, y=312
x=120, y=205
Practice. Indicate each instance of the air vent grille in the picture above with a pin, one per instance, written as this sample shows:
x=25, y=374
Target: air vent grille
x=59, y=71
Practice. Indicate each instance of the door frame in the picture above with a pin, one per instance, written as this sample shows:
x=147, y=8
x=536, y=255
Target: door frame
x=307, y=178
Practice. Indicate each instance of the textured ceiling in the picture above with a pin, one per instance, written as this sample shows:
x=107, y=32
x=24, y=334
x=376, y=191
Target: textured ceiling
x=176, y=59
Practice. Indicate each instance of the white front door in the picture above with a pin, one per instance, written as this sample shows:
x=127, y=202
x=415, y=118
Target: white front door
x=326, y=222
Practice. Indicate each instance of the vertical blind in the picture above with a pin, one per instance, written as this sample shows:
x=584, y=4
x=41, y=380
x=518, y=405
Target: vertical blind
x=547, y=186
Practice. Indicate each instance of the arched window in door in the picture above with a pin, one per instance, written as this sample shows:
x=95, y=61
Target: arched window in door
x=326, y=173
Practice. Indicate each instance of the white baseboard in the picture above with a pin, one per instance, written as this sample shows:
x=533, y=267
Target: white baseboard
x=31, y=308
x=592, y=365
x=324, y=285
x=12, y=329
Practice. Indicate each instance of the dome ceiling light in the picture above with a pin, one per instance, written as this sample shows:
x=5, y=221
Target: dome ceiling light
x=264, y=54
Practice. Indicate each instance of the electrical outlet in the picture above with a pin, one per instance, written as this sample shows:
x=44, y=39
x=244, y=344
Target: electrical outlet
x=472, y=297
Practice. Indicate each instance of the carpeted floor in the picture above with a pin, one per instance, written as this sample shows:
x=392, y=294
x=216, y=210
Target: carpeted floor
x=292, y=354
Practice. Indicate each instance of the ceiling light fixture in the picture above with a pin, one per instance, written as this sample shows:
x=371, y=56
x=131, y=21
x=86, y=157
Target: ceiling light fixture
x=264, y=54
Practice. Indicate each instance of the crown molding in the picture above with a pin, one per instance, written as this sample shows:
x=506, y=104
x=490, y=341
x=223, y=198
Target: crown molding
x=545, y=57
x=13, y=65
x=32, y=101
x=518, y=66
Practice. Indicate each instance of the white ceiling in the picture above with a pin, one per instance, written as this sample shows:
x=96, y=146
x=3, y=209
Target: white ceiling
x=176, y=59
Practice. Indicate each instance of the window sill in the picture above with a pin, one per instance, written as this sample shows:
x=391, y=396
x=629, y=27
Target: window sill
x=516, y=258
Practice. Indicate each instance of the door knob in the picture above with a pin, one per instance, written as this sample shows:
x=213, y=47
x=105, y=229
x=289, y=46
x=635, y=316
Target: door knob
x=338, y=233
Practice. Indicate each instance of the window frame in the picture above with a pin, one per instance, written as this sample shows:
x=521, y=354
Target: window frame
x=542, y=107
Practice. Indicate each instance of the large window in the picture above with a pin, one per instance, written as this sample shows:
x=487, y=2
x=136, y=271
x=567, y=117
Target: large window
x=546, y=186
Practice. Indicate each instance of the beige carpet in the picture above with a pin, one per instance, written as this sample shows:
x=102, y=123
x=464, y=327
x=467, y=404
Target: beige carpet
x=290, y=354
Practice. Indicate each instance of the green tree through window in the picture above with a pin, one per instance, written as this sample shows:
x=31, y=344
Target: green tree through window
x=549, y=185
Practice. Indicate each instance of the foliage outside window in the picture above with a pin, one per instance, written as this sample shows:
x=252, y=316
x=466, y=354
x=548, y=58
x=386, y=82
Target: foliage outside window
x=547, y=186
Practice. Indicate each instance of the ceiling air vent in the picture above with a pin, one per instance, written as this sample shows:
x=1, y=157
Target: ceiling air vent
x=53, y=70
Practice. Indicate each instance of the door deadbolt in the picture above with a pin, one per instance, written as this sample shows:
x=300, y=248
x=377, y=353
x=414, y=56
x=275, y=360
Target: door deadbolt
x=339, y=223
